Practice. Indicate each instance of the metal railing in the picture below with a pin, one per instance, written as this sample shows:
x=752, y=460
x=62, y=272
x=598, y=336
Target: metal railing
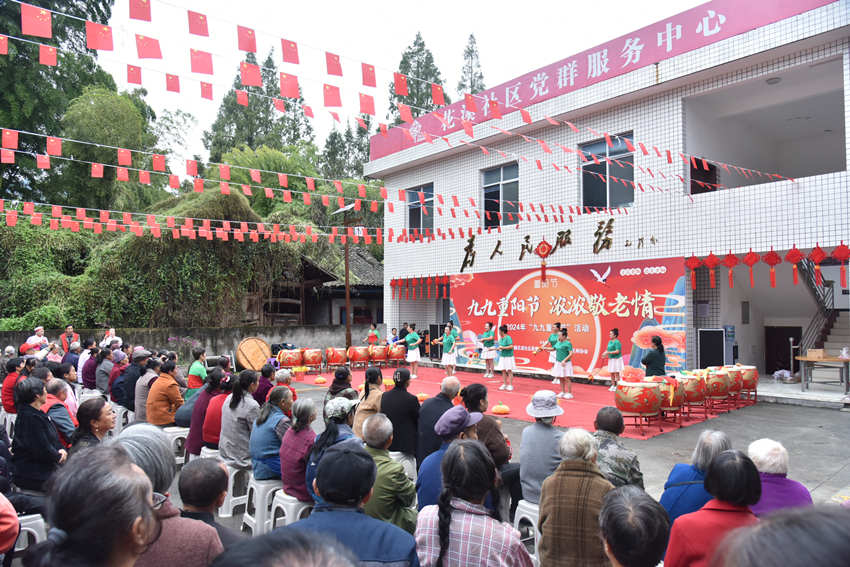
x=825, y=299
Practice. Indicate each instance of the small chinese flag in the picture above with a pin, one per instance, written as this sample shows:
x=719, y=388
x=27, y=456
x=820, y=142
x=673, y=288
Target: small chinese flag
x=225, y=188
x=201, y=61
x=97, y=170
x=10, y=139
x=308, y=112
x=437, y=94
x=469, y=102
x=307, y=198
x=206, y=90
x=134, y=75
x=191, y=167
x=7, y=156
x=494, y=108
x=467, y=127
x=332, y=97
x=145, y=177
x=98, y=36
x=269, y=192
x=311, y=183
x=4, y=45
x=54, y=146
x=42, y=161
x=283, y=180
x=140, y=10
x=326, y=201
x=147, y=47
x=290, y=51
x=367, y=104
x=172, y=83
x=241, y=97
x=250, y=74
x=280, y=105
x=368, y=74
x=224, y=171
x=47, y=55
x=338, y=185
x=158, y=162
x=35, y=21
x=361, y=191
x=374, y=208
x=255, y=176
x=198, y=24
x=289, y=86
x=247, y=39
x=404, y=112
x=173, y=181
x=333, y=64
x=526, y=117
x=287, y=196
x=124, y=157
x=123, y=174
x=400, y=83
x=198, y=185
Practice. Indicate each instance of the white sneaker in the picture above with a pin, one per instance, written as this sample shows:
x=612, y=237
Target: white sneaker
x=413, y=376
x=502, y=387
x=556, y=381
x=559, y=395
x=510, y=388
x=567, y=396
x=613, y=388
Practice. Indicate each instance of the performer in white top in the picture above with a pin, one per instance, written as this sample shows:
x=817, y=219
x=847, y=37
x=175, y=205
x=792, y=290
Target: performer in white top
x=109, y=337
x=38, y=338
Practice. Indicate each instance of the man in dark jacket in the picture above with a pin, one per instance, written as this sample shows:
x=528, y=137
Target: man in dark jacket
x=203, y=488
x=130, y=376
x=429, y=413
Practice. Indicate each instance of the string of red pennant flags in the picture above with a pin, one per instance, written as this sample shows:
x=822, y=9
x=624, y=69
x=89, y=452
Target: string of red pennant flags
x=841, y=253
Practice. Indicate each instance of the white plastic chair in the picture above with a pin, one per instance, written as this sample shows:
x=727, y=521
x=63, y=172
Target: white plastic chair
x=123, y=418
x=178, y=441
x=207, y=453
x=260, y=493
x=31, y=524
x=291, y=509
x=235, y=495
x=529, y=512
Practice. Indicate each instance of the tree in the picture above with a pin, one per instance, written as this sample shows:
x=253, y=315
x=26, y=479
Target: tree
x=360, y=146
x=335, y=156
x=471, y=77
x=417, y=63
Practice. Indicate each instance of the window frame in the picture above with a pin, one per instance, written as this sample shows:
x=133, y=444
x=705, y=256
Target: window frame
x=504, y=221
x=620, y=156
x=412, y=195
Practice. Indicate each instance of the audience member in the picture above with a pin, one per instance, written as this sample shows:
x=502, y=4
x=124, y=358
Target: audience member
x=340, y=415
x=238, y=415
x=89, y=371
x=370, y=400
x=38, y=339
x=459, y=530
x=283, y=377
x=178, y=372
x=343, y=485
x=268, y=432
x=402, y=408
x=183, y=542
x=777, y=490
x=111, y=526
x=68, y=374
x=96, y=419
x=264, y=384
x=36, y=449
x=120, y=362
x=211, y=431
x=127, y=395
x=427, y=441
x=110, y=338
x=295, y=449
x=164, y=397
x=72, y=354
x=104, y=368
x=634, y=528
x=203, y=488
x=340, y=383
x=198, y=369
x=85, y=353
x=455, y=423
x=194, y=440
x=684, y=491
x=10, y=527
x=8, y=354
x=393, y=494
x=14, y=366
x=68, y=338
x=143, y=388
x=539, y=452
x=570, y=501
x=733, y=481
x=59, y=412
x=297, y=549
x=619, y=465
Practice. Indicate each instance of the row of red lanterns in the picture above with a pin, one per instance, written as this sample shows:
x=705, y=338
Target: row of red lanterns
x=411, y=287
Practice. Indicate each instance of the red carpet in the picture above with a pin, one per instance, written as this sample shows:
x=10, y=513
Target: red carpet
x=578, y=412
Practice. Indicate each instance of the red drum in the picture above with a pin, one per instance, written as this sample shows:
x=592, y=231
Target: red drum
x=717, y=385
x=693, y=388
x=398, y=352
x=289, y=358
x=672, y=395
x=312, y=357
x=736, y=380
x=638, y=398
x=358, y=354
x=750, y=377
x=378, y=353
x=335, y=356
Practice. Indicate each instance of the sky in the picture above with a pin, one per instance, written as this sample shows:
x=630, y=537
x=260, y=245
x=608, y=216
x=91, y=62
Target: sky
x=513, y=38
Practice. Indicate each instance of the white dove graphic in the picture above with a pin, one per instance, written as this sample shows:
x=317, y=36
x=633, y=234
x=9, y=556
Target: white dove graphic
x=604, y=277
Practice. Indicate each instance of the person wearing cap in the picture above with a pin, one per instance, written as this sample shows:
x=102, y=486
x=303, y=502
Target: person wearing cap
x=38, y=339
x=339, y=413
x=456, y=423
x=539, y=455
x=427, y=441
x=120, y=361
x=619, y=465
x=68, y=337
x=344, y=482
x=393, y=494
x=131, y=375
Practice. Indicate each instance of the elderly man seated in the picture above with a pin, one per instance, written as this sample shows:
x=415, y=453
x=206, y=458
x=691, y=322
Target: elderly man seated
x=283, y=377
x=777, y=490
x=619, y=465
x=393, y=494
x=539, y=454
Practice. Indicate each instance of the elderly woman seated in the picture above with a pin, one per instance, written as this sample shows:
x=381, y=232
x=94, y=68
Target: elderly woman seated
x=777, y=490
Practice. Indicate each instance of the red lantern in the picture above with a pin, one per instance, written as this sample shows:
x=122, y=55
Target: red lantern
x=751, y=259
x=772, y=259
x=730, y=261
x=413, y=283
x=407, y=289
x=842, y=253
x=446, y=288
x=817, y=255
x=392, y=289
x=543, y=250
x=711, y=261
x=429, y=287
x=794, y=257
x=692, y=264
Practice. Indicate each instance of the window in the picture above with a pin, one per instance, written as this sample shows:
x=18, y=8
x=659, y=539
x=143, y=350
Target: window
x=419, y=216
x=703, y=180
x=598, y=187
x=500, y=195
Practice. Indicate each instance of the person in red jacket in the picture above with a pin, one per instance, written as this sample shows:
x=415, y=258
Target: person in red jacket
x=211, y=432
x=58, y=411
x=13, y=376
x=733, y=480
x=69, y=337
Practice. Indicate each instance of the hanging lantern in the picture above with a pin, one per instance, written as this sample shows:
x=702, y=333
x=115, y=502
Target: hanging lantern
x=392, y=289
x=842, y=253
x=730, y=261
x=692, y=264
x=772, y=259
x=544, y=249
x=407, y=289
x=794, y=257
x=413, y=283
x=751, y=259
x=446, y=288
x=429, y=287
x=711, y=261
x=817, y=255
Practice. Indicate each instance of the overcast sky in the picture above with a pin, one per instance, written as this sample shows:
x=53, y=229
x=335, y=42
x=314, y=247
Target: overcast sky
x=513, y=38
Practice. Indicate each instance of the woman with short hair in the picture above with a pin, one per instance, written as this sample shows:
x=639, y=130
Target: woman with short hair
x=164, y=398
x=36, y=449
x=268, y=432
x=295, y=449
x=103, y=369
x=96, y=419
x=777, y=490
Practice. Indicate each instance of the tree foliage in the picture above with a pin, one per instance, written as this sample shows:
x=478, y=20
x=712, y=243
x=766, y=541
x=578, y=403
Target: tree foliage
x=417, y=63
x=471, y=77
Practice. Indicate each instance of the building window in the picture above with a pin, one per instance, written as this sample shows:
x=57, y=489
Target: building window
x=419, y=216
x=703, y=180
x=500, y=195
x=598, y=187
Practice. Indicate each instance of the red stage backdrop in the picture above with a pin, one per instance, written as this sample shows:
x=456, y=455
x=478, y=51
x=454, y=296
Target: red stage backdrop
x=640, y=298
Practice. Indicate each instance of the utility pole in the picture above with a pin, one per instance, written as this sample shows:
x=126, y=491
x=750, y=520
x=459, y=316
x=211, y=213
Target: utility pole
x=347, y=297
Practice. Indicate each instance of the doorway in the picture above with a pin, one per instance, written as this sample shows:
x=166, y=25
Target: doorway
x=776, y=348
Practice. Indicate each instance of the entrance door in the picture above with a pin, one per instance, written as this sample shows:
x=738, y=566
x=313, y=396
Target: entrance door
x=776, y=348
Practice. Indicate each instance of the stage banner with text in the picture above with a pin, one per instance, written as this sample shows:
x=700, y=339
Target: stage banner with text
x=640, y=298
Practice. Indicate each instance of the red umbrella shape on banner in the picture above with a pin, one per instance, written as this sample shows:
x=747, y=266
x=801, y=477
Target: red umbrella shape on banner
x=711, y=261
x=842, y=253
x=751, y=259
x=730, y=261
x=817, y=255
x=772, y=259
x=692, y=264
x=794, y=257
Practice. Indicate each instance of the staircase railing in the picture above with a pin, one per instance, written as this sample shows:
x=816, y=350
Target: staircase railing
x=824, y=296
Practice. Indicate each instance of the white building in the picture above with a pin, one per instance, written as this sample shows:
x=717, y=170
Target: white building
x=733, y=82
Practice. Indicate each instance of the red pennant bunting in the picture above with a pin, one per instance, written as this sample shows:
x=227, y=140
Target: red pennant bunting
x=290, y=51
x=98, y=36
x=338, y=186
x=374, y=206
x=122, y=174
x=134, y=75
x=404, y=112
x=469, y=102
x=191, y=167
x=7, y=156
x=54, y=146
x=241, y=97
x=287, y=196
x=311, y=183
x=283, y=180
x=124, y=157
x=206, y=91
x=467, y=127
x=247, y=39
x=198, y=185
x=250, y=74
x=255, y=176
x=280, y=105
x=36, y=21
x=333, y=64
x=140, y=10
x=200, y=61
x=526, y=117
x=173, y=181
x=47, y=55
x=494, y=108
x=147, y=47
x=289, y=86
x=367, y=105
x=368, y=72
x=198, y=24
x=11, y=217
x=35, y=219
x=383, y=129
x=308, y=112
x=224, y=187
x=326, y=200
x=437, y=94
x=306, y=198
x=10, y=139
x=97, y=170
x=158, y=162
x=331, y=95
x=42, y=161
x=145, y=177
x=400, y=84
x=172, y=83
x=4, y=45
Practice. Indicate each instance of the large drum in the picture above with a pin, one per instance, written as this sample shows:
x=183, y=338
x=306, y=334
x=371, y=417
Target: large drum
x=358, y=355
x=289, y=358
x=672, y=395
x=638, y=398
x=693, y=387
x=335, y=356
x=312, y=357
x=749, y=377
x=717, y=385
x=252, y=353
x=378, y=353
x=736, y=380
x=397, y=352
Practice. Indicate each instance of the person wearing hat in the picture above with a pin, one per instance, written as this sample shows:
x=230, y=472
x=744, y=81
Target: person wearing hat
x=456, y=423
x=339, y=413
x=130, y=376
x=38, y=339
x=539, y=454
x=343, y=482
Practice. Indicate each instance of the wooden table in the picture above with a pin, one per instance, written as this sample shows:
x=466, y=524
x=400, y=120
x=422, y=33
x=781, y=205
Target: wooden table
x=808, y=362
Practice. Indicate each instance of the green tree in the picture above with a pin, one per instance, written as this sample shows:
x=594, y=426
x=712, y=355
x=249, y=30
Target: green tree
x=335, y=160
x=360, y=145
x=417, y=63
x=471, y=77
